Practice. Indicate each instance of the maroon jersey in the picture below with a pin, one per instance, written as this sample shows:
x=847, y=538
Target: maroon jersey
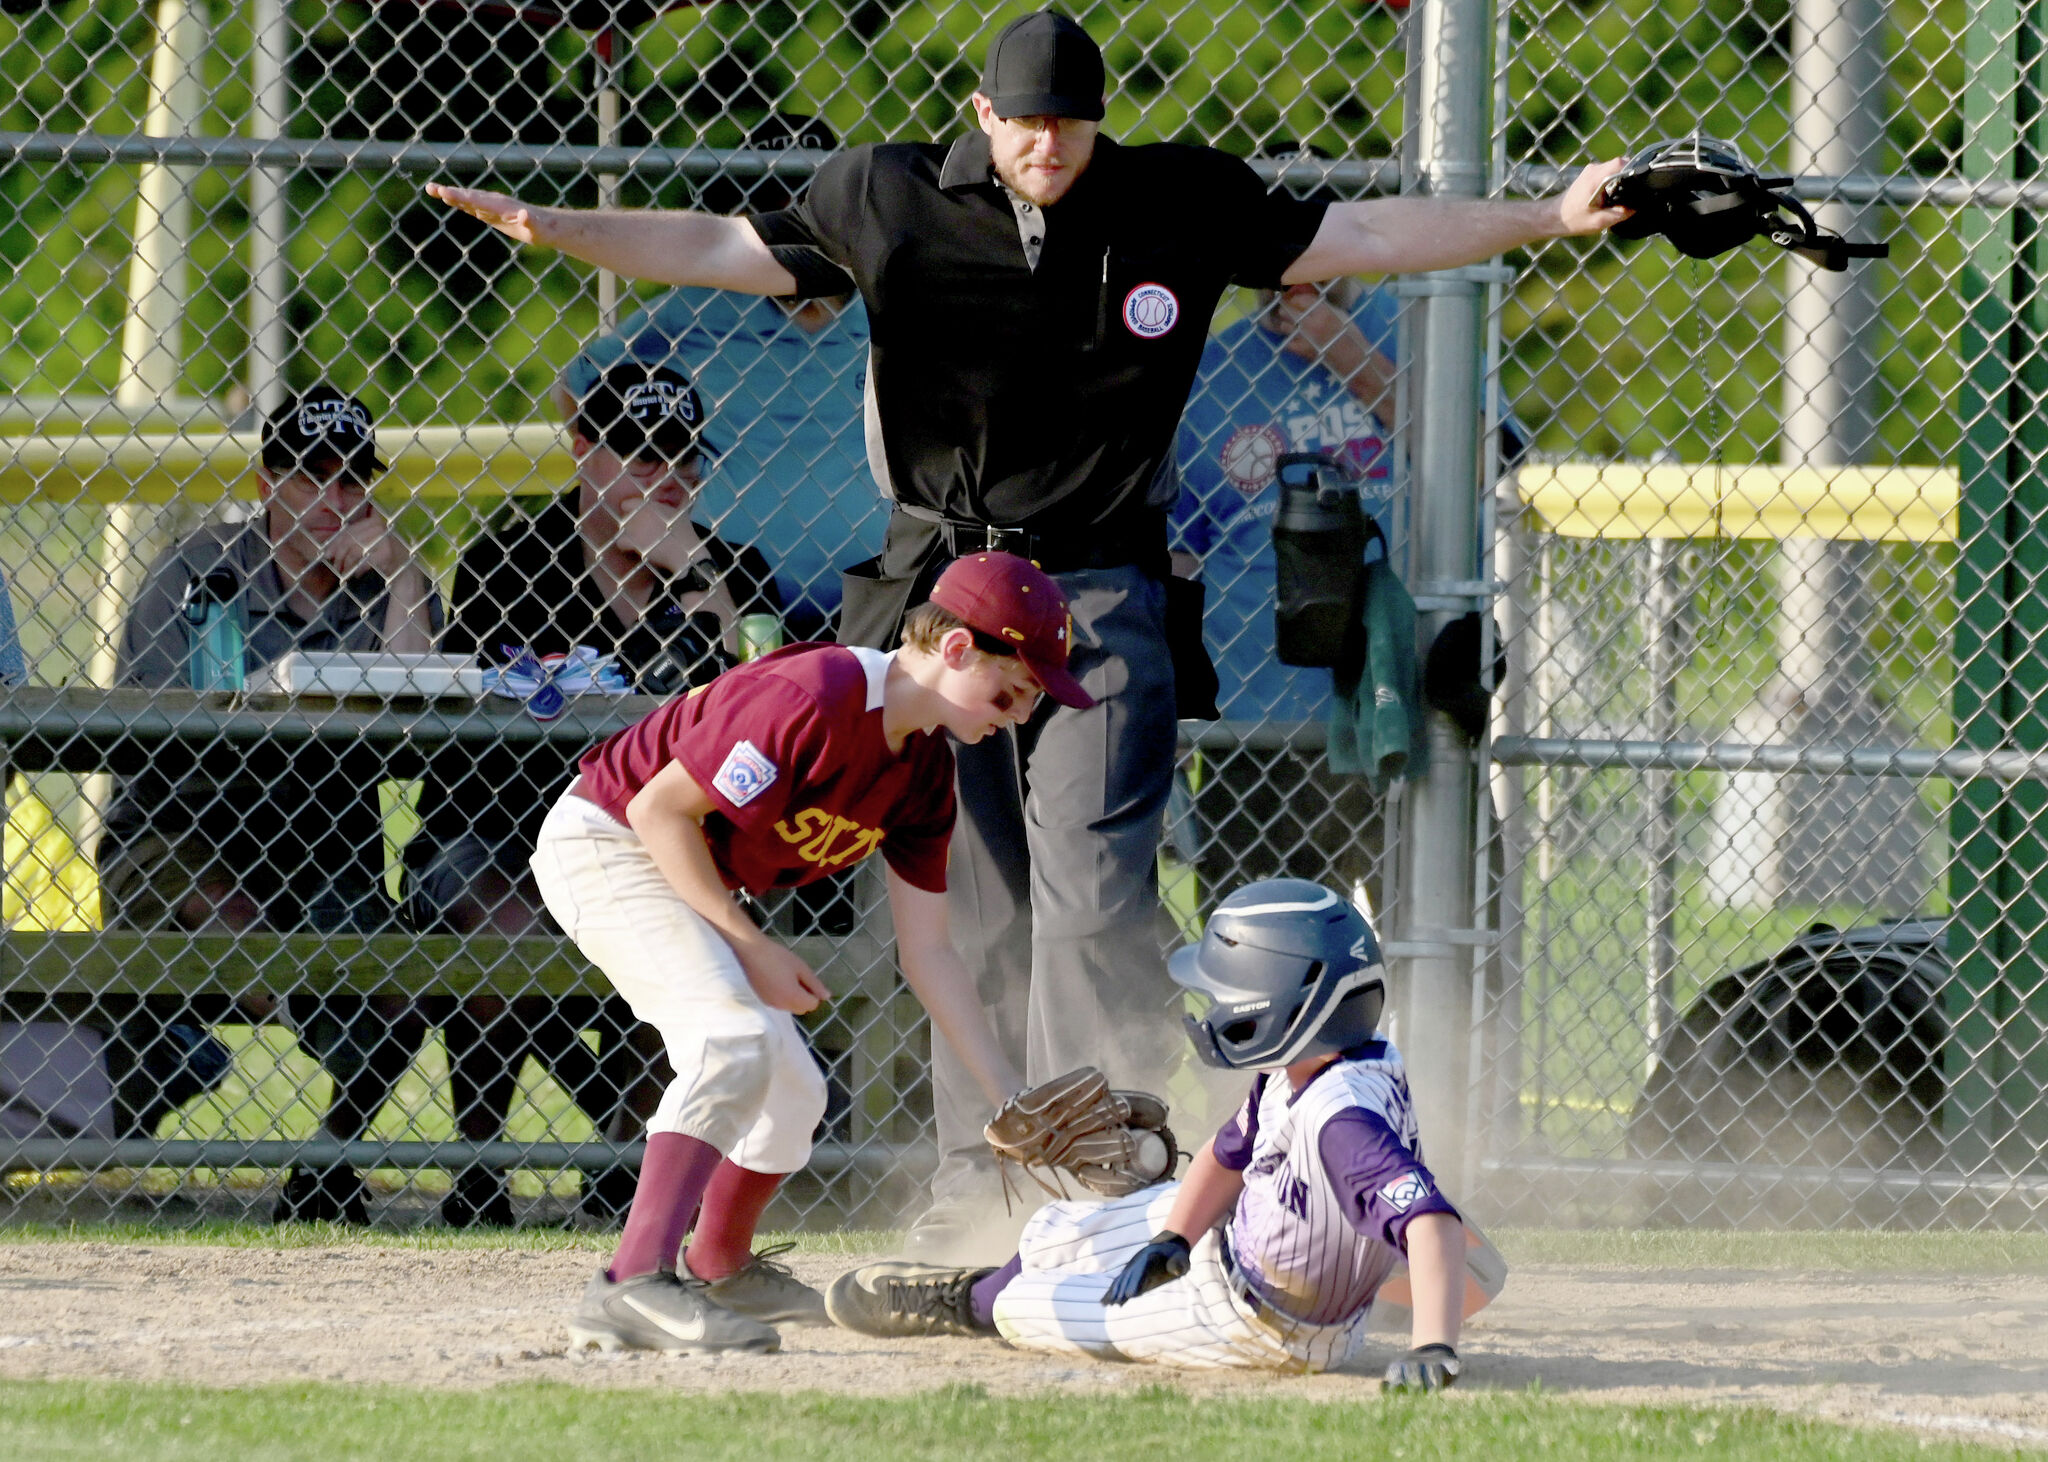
x=791, y=752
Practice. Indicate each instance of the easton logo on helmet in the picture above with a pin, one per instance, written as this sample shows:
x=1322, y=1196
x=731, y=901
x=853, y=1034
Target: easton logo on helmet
x=1150, y=311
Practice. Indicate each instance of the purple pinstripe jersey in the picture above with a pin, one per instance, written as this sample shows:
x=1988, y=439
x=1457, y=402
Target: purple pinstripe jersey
x=1332, y=1176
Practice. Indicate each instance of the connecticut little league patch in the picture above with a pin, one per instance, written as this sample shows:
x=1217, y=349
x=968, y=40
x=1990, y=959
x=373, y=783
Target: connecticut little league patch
x=745, y=775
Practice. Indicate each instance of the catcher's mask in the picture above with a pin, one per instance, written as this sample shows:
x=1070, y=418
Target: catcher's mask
x=1289, y=970
x=1701, y=194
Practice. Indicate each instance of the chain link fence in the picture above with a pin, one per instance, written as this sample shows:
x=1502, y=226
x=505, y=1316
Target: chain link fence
x=1774, y=682
x=1758, y=553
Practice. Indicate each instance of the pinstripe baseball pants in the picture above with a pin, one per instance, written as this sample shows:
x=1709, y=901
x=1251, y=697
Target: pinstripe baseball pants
x=1071, y=1250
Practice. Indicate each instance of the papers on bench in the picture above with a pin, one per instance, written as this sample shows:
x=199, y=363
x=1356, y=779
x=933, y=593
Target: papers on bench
x=374, y=672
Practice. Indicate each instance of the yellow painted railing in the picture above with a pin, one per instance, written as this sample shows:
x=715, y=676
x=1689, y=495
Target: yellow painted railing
x=430, y=461
x=1619, y=500
x=1576, y=499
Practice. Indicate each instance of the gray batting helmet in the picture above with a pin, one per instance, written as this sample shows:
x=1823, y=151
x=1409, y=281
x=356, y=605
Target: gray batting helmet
x=1289, y=968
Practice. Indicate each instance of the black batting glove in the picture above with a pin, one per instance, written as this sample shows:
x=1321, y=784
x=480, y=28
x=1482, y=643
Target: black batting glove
x=1164, y=1259
x=1425, y=1368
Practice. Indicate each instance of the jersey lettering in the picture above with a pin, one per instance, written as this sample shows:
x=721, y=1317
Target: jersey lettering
x=818, y=836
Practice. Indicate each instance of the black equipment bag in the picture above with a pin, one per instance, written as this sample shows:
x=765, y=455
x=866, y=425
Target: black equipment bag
x=1829, y=1053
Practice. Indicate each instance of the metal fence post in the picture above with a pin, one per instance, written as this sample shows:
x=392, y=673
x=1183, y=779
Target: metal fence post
x=1662, y=606
x=1451, y=59
x=269, y=220
x=1997, y=1064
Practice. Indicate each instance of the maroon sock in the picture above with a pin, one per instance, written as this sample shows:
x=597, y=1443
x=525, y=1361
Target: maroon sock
x=983, y=1296
x=724, y=1240
x=673, y=1176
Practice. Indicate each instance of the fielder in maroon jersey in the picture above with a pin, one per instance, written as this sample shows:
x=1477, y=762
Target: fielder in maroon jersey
x=781, y=771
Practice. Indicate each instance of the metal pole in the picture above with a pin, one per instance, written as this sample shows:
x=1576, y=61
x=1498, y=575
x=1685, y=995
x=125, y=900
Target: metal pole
x=1511, y=791
x=1451, y=61
x=606, y=47
x=1543, y=654
x=1828, y=410
x=151, y=336
x=269, y=224
x=1661, y=607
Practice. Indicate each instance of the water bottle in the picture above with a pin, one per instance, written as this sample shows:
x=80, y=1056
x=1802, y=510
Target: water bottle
x=759, y=634
x=1319, y=538
x=215, y=631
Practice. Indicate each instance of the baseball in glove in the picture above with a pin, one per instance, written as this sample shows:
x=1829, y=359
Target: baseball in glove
x=1114, y=1142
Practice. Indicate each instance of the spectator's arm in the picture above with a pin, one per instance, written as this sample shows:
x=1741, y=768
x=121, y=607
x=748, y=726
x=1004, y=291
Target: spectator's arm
x=409, y=611
x=369, y=543
x=1315, y=330
x=153, y=644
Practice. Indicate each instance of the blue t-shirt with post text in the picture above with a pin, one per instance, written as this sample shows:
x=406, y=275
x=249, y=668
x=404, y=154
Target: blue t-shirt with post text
x=1253, y=401
x=784, y=409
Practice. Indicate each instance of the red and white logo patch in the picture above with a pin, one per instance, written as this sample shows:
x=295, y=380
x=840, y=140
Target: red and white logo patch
x=1251, y=456
x=745, y=774
x=1150, y=311
x=1404, y=1192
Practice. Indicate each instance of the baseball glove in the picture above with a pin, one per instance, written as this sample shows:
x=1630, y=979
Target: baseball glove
x=1114, y=1142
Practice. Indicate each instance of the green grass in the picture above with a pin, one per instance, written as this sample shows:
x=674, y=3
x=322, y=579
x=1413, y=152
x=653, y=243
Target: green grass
x=1854, y=1252
x=57, y=1420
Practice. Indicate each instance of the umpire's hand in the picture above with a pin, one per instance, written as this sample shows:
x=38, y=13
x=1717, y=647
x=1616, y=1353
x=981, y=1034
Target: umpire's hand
x=1425, y=1368
x=1162, y=1260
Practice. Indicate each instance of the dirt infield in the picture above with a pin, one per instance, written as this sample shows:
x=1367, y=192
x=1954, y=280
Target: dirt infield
x=1959, y=1354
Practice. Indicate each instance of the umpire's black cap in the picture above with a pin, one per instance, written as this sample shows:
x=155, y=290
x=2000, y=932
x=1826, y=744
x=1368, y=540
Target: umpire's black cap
x=1044, y=65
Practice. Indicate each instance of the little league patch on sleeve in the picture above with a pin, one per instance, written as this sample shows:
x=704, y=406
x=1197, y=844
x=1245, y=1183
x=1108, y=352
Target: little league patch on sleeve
x=1404, y=1192
x=745, y=775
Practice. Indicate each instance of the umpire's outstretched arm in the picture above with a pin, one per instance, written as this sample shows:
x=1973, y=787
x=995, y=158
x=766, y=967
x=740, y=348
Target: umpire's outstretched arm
x=1405, y=235
x=665, y=246
x=1375, y=236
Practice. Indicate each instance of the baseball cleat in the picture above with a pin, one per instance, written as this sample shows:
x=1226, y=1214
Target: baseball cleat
x=766, y=1291
x=899, y=1298
x=661, y=1311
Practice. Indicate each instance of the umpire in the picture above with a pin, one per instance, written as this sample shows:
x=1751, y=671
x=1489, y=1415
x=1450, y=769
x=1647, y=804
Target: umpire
x=1039, y=296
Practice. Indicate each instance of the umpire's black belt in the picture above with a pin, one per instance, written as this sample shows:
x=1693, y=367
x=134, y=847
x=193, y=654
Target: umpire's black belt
x=1079, y=548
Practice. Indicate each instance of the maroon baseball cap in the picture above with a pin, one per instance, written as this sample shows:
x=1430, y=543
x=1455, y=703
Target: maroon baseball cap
x=1011, y=599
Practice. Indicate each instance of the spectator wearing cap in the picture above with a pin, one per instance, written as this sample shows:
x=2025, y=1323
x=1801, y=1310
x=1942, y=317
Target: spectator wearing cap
x=618, y=564
x=293, y=837
x=785, y=376
x=1038, y=297
x=1310, y=369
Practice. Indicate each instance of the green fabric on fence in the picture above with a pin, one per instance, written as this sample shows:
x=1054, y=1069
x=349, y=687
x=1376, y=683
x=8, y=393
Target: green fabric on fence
x=1377, y=727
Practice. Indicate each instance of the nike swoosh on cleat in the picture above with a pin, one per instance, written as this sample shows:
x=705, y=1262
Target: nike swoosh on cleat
x=694, y=1331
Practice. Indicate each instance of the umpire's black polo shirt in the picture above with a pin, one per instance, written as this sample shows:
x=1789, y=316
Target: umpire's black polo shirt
x=1045, y=398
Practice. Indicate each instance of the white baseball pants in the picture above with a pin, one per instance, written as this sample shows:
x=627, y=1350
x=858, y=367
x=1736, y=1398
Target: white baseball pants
x=1072, y=1250
x=745, y=1081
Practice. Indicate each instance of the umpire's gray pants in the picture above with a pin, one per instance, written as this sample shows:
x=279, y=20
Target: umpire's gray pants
x=1053, y=878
